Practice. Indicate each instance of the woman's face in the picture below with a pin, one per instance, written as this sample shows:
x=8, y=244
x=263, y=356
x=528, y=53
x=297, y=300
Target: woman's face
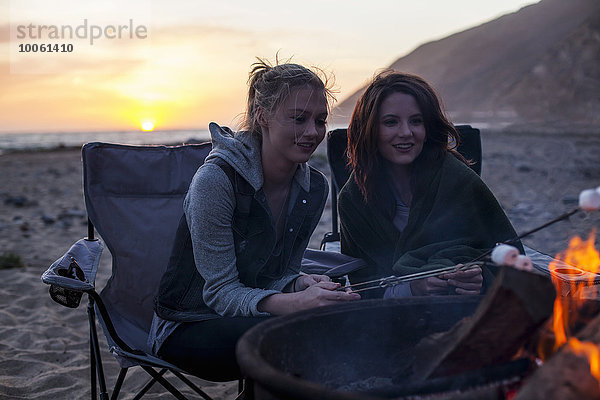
x=401, y=129
x=297, y=126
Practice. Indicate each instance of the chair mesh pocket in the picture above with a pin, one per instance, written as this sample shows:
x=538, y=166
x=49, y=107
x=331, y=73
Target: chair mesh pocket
x=65, y=297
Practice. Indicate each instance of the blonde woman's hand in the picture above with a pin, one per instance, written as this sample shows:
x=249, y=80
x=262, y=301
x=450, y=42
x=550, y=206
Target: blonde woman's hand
x=320, y=294
x=305, y=281
x=323, y=294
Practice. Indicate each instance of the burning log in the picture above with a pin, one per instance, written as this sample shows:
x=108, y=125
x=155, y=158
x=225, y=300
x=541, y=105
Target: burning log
x=516, y=305
x=569, y=373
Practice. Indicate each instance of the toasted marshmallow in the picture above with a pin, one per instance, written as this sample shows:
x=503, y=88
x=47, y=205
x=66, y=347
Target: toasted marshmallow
x=504, y=254
x=589, y=200
x=524, y=263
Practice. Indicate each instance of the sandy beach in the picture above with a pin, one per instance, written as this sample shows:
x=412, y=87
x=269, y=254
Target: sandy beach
x=44, y=346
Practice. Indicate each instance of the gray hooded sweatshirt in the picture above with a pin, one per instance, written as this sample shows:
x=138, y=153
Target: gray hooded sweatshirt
x=209, y=207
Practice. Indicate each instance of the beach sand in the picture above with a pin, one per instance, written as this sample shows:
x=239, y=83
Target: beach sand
x=44, y=346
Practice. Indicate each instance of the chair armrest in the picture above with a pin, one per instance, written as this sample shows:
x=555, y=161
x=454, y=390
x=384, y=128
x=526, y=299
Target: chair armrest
x=74, y=272
x=332, y=264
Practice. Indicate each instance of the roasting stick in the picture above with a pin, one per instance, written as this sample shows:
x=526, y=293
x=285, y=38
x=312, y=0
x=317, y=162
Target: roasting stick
x=589, y=200
x=525, y=234
x=394, y=280
x=378, y=281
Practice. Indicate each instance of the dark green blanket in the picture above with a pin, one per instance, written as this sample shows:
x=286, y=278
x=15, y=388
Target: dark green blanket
x=453, y=219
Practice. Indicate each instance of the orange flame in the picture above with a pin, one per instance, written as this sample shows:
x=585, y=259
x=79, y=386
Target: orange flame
x=558, y=324
x=582, y=253
x=572, y=271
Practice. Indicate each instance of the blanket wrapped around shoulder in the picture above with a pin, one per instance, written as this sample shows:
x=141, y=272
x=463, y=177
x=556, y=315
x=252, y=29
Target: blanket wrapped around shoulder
x=453, y=218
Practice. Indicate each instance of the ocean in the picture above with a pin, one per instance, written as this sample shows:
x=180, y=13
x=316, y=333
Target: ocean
x=10, y=142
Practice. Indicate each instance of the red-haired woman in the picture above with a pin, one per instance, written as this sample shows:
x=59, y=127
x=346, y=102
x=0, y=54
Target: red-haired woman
x=412, y=203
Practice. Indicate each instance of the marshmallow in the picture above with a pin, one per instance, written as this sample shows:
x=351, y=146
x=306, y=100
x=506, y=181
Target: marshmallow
x=589, y=200
x=504, y=254
x=524, y=263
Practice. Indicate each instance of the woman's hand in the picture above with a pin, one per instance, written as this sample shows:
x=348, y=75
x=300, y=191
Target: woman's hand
x=432, y=286
x=468, y=281
x=317, y=295
x=306, y=281
x=322, y=294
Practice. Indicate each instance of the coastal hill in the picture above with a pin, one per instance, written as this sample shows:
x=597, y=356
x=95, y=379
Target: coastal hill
x=533, y=70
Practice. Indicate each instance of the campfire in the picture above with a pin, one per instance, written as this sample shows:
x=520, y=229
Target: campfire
x=569, y=345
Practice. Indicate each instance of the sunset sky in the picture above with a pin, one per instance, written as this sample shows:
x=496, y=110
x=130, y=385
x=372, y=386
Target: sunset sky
x=189, y=64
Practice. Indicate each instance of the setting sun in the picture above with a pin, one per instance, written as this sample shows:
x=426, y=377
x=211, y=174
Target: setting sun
x=147, y=126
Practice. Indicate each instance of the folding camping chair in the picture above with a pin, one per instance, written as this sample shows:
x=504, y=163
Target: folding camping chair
x=337, y=141
x=134, y=197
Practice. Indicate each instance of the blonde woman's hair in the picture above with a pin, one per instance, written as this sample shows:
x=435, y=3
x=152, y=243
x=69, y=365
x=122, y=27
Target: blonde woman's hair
x=269, y=85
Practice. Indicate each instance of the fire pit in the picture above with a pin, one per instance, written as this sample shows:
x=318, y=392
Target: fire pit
x=360, y=350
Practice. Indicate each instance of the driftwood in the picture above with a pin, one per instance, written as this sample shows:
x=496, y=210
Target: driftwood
x=515, y=306
x=566, y=375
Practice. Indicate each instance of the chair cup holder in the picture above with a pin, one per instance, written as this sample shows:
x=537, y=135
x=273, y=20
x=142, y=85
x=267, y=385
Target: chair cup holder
x=65, y=297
